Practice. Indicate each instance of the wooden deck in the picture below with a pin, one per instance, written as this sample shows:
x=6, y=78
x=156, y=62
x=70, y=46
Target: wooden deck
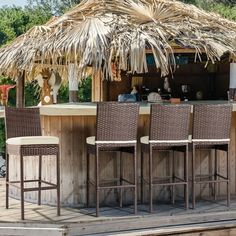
x=209, y=219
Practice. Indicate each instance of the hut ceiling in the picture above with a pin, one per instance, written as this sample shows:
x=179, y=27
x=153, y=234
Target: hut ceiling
x=102, y=33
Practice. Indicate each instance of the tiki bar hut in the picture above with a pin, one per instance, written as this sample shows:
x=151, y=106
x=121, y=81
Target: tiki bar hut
x=125, y=43
x=154, y=49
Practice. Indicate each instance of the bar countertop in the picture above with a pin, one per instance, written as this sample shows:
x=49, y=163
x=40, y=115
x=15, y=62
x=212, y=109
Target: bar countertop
x=89, y=109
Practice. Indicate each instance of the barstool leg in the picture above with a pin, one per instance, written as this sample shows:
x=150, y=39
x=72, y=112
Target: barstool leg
x=7, y=180
x=135, y=180
x=88, y=179
x=186, y=178
x=228, y=177
x=58, y=184
x=173, y=178
x=141, y=187
x=121, y=179
x=150, y=179
x=97, y=180
x=193, y=176
x=215, y=175
x=22, y=186
x=40, y=179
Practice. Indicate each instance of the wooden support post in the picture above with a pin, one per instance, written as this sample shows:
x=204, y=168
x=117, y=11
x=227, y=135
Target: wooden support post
x=97, y=87
x=73, y=83
x=20, y=90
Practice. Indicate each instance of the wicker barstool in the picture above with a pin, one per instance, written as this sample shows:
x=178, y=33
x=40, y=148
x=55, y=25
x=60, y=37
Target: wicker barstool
x=24, y=139
x=169, y=127
x=211, y=130
x=116, y=130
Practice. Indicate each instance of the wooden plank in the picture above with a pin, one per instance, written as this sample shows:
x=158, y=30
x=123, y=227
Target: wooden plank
x=54, y=129
x=67, y=160
x=232, y=154
x=155, y=225
x=29, y=231
x=96, y=87
x=205, y=158
x=222, y=170
x=99, y=87
x=197, y=172
x=79, y=160
x=47, y=166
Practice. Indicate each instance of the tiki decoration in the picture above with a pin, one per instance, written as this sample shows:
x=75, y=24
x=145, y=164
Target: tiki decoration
x=4, y=91
x=50, y=82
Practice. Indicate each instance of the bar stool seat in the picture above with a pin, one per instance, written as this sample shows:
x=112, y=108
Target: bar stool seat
x=169, y=127
x=24, y=139
x=32, y=140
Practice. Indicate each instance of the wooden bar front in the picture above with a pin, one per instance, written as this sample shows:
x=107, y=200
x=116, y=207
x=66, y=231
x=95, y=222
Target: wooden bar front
x=72, y=124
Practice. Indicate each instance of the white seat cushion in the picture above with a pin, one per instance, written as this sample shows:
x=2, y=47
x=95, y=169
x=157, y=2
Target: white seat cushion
x=145, y=140
x=90, y=140
x=33, y=140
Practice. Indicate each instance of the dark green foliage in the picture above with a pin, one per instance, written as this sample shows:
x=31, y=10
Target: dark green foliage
x=85, y=87
x=226, y=8
x=63, y=94
x=84, y=92
x=16, y=21
x=32, y=96
x=2, y=136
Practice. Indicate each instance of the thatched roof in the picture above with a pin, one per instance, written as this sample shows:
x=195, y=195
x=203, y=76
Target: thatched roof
x=102, y=33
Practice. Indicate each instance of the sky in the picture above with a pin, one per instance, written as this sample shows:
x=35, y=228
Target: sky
x=12, y=2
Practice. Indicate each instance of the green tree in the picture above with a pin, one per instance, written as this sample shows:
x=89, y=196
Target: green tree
x=16, y=21
x=226, y=8
x=53, y=7
x=13, y=23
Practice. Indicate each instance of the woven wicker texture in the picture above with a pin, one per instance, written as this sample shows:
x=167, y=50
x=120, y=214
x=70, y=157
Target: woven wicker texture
x=117, y=121
x=204, y=128
x=169, y=122
x=22, y=122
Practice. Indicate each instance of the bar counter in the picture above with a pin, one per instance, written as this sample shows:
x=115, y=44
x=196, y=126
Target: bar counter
x=72, y=123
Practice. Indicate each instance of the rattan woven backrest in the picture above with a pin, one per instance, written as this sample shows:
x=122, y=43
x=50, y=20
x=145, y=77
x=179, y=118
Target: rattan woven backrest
x=212, y=121
x=169, y=122
x=117, y=121
x=22, y=122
